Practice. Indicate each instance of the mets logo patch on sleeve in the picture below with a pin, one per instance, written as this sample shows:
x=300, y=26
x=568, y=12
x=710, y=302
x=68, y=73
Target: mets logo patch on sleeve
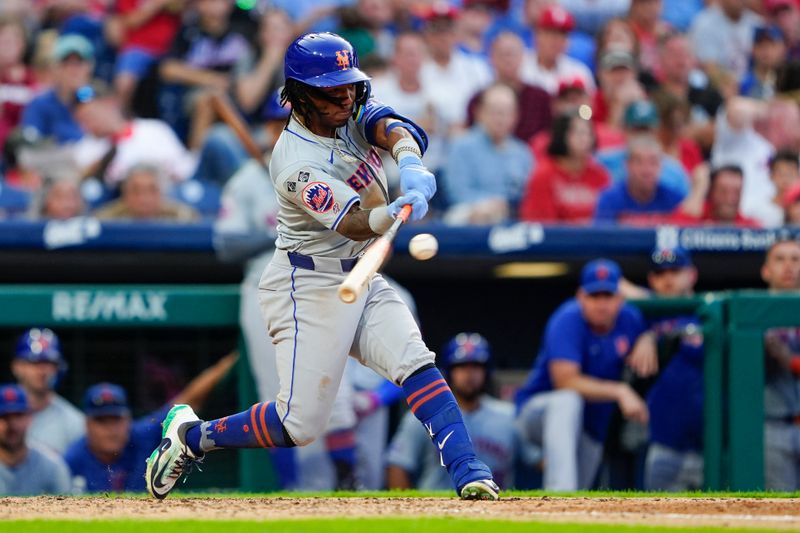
x=318, y=197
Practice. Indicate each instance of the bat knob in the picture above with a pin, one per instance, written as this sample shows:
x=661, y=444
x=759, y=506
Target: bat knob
x=347, y=295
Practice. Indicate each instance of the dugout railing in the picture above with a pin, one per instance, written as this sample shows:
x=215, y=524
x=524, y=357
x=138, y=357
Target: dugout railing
x=148, y=306
x=733, y=327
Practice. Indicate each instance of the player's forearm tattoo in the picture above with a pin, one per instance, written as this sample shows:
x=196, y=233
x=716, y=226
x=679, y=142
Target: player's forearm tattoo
x=355, y=225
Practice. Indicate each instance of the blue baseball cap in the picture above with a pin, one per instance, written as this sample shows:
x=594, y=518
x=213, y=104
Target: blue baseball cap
x=12, y=399
x=466, y=348
x=39, y=345
x=773, y=33
x=106, y=399
x=600, y=275
x=670, y=258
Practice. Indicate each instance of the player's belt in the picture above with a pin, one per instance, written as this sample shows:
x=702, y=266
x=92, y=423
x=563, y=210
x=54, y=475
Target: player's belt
x=321, y=264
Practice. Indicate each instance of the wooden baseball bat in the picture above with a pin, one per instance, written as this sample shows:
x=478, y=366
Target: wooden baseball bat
x=224, y=108
x=355, y=282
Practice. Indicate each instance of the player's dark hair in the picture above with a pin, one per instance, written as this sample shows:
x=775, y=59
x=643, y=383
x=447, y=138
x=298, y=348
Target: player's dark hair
x=297, y=95
x=558, y=135
x=787, y=156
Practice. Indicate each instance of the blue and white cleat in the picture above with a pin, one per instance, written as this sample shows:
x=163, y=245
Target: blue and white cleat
x=173, y=457
x=482, y=489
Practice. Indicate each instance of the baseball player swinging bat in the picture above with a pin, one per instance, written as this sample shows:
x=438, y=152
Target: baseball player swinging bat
x=230, y=116
x=353, y=285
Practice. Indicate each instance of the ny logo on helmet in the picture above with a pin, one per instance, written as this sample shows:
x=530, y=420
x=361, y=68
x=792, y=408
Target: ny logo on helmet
x=343, y=59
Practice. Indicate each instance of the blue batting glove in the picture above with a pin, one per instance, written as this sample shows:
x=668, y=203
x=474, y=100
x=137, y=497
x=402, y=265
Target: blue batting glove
x=419, y=206
x=415, y=177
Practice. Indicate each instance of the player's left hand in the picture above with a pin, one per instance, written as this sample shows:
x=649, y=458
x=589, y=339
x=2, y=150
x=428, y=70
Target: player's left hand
x=419, y=207
x=415, y=177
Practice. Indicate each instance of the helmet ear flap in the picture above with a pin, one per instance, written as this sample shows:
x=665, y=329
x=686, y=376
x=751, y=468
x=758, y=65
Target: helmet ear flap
x=363, y=90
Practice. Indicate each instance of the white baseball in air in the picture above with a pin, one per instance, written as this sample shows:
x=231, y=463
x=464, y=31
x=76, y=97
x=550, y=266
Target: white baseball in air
x=423, y=246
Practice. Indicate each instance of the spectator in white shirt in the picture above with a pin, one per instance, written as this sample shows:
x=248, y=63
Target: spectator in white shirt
x=402, y=85
x=747, y=134
x=450, y=76
x=549, y=65
x=722, y=38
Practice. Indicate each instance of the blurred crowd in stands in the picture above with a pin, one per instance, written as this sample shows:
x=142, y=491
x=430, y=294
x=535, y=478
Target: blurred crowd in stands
x=575, y=112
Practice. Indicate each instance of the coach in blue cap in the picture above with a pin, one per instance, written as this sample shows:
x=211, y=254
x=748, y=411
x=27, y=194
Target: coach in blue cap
x=111, y=457
x=25, y=470
x=567, y=402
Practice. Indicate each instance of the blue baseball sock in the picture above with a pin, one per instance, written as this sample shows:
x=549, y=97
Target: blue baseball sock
x=341, y=446
x=432, y=402
x=258, y=427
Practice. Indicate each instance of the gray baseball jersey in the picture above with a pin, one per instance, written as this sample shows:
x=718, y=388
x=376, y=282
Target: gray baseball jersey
x=317, y=180
x=42, y=472
x=491, y=427
x=57, y=426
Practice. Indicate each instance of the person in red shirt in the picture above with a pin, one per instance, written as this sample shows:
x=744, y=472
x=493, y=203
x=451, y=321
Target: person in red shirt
x=571, y=98
x=714, y=200
x=567, y=182
x=17, y=81
x=144, y=30
x=673, y=114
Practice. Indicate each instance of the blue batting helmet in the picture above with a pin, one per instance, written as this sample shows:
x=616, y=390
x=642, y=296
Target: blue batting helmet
x=466, y=348
x=322, y=60
x=39, y=345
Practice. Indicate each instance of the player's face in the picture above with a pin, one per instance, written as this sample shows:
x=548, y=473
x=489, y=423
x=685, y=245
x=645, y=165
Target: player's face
x=781, y=270
x=673, y=282
x=108, y=434
x=467, y=380
x=35, y=377
x=600, y=309
x=334, y=109
x=13, y=428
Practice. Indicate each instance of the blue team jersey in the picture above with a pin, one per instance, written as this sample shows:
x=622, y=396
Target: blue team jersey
x=616, y=204
x=51, y=118
x=676, y=399
x=568, y=337
x=126, y=474
x=673, y=175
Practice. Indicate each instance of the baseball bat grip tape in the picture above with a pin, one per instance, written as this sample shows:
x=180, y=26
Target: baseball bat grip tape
x=356, y=281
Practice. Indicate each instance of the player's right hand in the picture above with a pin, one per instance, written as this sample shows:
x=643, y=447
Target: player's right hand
x=415, y=177
x=419, y=206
